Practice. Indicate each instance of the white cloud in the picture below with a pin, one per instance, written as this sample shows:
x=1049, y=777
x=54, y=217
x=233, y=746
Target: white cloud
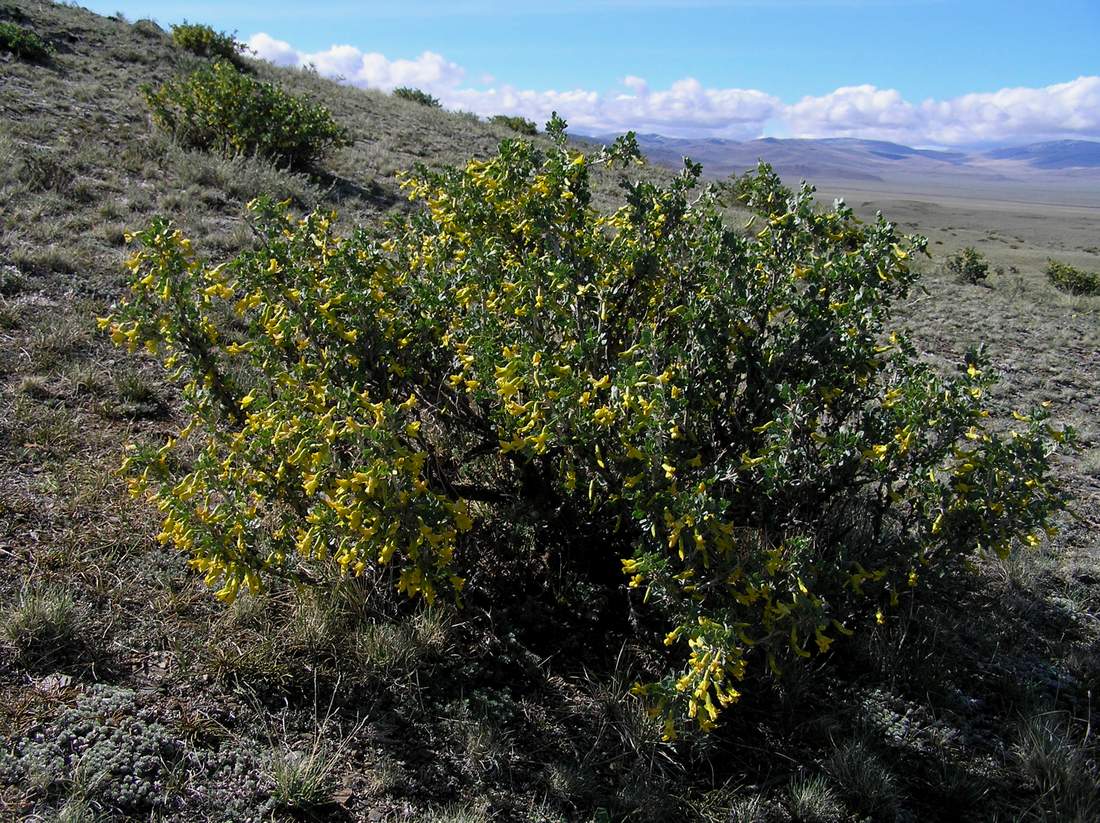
x=1062, y=110
x=850, y=111
x=688, y=109
x=1009, y=115
x=366, y=69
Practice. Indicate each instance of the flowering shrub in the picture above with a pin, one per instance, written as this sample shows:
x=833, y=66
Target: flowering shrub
x=1073, y=280
x=206, y=42
x=723, y=412
x=219, y=109
x=969, y=265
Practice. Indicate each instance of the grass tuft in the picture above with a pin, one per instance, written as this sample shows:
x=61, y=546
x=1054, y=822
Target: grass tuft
x=458, y=813
x=303, y=779
x=865, y=779
x=1059, y=769
x=44, y=625
x=810, y=799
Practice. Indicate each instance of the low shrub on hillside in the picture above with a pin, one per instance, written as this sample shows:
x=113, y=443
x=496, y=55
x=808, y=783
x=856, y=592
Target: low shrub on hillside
x=417, y=96
x=968, y=265
x=23, y=43
x=520, y=125
x=217, y=108
x=724, y=418
x=206, y=42
x=148, y=28
x=1070, y=279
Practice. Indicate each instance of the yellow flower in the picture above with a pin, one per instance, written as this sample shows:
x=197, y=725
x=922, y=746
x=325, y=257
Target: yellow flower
x=604, y=416
x=877, y=452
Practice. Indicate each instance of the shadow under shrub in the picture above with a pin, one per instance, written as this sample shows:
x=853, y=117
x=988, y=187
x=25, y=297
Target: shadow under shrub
x=723, y=416
x=217, y=108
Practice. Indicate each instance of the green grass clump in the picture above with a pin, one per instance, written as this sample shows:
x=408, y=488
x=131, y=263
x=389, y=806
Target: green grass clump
x=1058, y=768
x=206, y=42
x=1073, y=280
x=44, y=624
x=517, y=124
x=216, y=108
x=417, y=96
x=811, y=800
x=24, y=43
x=302, y=780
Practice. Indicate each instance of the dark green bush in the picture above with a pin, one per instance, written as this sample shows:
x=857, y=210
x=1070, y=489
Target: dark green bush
x=968, y=265
x=148, y=28
x=417, y=96
x=1070, y=279
x=206, y=42
x=23, y=43
x=219, y=109
x=725, y=416
x=521, y=125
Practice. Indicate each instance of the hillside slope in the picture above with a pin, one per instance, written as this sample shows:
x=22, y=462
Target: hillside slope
x=127, y=690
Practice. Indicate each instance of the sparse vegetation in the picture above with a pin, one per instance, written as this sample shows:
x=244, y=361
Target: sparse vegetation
x=417, y=96
x=217, y=108
x=1070, y=279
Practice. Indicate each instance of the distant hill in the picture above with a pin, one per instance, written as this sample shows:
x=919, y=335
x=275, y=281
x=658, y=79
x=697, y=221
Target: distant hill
x=1069, y=165
x=1057, y=154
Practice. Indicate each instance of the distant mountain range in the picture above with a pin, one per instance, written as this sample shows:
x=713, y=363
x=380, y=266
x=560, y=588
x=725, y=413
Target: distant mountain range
x=1059, y=154
x=1057, y=165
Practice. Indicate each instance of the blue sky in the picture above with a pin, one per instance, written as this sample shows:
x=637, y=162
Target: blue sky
x=490, y=55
